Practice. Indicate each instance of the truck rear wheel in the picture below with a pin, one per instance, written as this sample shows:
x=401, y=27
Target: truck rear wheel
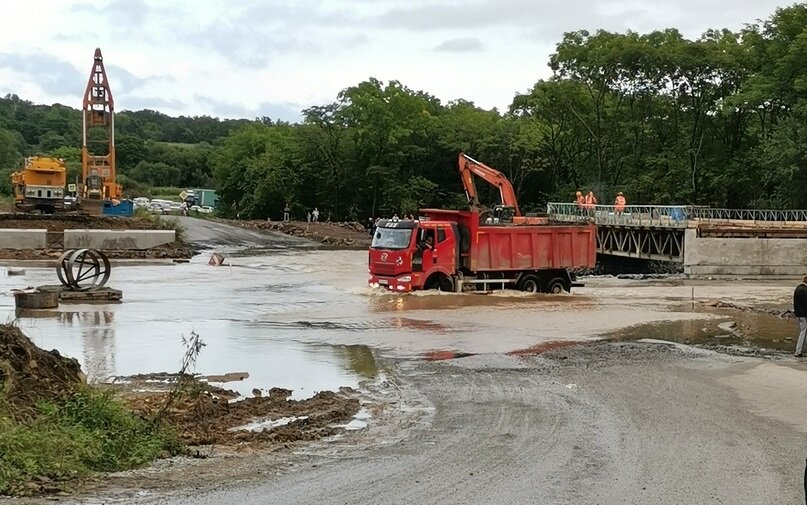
x=557, y=285
x=530, y=284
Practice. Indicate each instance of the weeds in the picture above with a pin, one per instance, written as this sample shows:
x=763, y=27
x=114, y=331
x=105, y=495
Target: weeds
x=193, y=347
x=89, y=432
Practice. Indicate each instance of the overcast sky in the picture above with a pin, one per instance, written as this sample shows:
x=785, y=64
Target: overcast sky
x=252, y=58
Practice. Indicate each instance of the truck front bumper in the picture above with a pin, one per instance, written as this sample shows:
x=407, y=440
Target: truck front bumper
x=402, y=284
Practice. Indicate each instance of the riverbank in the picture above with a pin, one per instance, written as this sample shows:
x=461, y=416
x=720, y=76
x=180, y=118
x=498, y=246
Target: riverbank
x=59, y=431
x=336, y=235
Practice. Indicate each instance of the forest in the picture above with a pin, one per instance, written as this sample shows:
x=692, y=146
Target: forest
x=720, y=120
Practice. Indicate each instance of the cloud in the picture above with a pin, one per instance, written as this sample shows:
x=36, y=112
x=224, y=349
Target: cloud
x=51, y=74
x=462, y=45
x=546, y=19
x=138, y=102
x=284, y=111
x=121, y=12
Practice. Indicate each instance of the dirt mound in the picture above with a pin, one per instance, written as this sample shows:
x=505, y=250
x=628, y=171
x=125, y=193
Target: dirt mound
x=338, y=235
x=204, y=417
x=29, y=374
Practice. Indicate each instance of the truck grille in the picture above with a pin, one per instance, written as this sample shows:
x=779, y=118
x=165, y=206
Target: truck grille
x=384, y=268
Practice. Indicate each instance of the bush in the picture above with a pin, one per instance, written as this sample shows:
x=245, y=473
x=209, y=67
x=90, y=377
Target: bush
x=91, y=431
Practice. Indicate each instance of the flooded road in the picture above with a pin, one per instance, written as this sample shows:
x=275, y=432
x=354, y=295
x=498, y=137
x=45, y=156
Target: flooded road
x=306, y=320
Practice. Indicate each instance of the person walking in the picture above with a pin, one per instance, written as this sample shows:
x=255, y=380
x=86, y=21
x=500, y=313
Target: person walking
x=800, y=309
x=315, y=215
x=286, y=211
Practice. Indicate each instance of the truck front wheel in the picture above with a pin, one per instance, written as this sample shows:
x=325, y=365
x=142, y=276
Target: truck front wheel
x=530, y=284
x=440, y=282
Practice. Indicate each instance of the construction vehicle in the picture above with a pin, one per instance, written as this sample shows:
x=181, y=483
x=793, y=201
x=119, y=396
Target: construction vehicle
x=40, y=185
x=99, y=189
x=482, y=248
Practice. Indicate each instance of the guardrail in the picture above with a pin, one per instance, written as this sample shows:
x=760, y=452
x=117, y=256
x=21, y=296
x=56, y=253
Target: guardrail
x=667, y=216
x=671, y=216
x=756, y=215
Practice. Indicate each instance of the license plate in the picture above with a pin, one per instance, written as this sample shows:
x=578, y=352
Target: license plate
x=383, y=282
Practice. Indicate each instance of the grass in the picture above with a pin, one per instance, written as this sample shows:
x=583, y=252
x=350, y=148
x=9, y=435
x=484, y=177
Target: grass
x=89, y=432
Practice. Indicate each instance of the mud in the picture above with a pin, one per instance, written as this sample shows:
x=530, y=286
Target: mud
x=608, y=423
x=29, y=374
x=336, y=235
x=208, y=415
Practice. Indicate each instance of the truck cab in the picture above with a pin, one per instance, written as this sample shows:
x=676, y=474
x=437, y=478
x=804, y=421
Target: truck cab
x=406, y=255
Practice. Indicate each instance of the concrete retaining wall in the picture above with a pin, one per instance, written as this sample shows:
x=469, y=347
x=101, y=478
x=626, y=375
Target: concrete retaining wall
x=23, y=239
x=714, y=256
x=117, y=239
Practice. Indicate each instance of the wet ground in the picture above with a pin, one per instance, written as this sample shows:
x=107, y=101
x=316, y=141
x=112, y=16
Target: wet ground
x=614, y=423
x=305, y=320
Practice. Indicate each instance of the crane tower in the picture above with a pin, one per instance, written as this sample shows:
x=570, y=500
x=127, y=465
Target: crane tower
x=98, y=178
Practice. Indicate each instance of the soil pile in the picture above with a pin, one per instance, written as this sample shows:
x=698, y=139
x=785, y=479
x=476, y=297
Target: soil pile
x=206, y=415
x=29, y=374
x=337, y=235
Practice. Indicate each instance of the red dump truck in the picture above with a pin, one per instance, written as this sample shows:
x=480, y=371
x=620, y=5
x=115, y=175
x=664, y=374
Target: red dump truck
x=481, y=248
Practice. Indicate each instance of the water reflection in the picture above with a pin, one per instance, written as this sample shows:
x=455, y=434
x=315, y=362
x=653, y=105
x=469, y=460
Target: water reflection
x=97, y=330
x=360, y=359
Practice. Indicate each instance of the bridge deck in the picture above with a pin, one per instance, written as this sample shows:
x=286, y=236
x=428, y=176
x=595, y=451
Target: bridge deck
x=657, y=231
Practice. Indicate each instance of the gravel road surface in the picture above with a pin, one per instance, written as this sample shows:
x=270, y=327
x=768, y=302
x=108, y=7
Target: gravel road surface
x=597, y=424
x=203, y=233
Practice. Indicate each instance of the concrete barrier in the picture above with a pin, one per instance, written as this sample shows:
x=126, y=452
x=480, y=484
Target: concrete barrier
x=23, y=239
x=117, y=239
x=752, y=257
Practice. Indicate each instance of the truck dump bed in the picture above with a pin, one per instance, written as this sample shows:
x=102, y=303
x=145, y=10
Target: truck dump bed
x=503, y=247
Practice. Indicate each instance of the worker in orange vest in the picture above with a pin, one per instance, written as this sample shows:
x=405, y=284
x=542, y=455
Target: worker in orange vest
x=591, y=201
x=619, y=203
x=580, y=199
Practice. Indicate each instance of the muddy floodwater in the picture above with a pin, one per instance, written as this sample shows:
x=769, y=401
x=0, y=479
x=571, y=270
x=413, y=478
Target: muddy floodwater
x=307, y=321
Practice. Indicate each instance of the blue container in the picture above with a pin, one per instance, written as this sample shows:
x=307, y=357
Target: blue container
x=124, y=208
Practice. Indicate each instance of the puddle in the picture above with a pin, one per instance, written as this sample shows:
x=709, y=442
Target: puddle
x=268, y=424
x=751, y=330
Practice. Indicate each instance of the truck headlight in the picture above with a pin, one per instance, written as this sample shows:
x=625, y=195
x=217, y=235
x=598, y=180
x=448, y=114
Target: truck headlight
x=405, y=278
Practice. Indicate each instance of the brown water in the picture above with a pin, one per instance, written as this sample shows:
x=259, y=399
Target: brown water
x=306, y=320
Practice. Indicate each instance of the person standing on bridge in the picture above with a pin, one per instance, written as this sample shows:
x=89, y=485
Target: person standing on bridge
x=591, y=202
x=581, y=201
x=619, y=204
x=800, y=309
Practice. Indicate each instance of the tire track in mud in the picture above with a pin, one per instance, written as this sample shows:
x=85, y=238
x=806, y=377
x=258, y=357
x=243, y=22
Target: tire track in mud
x=602, y=423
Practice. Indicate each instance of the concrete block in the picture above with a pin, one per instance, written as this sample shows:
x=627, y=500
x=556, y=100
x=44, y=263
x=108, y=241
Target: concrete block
x=117, y=239
x=717, y=256
x=23, y=239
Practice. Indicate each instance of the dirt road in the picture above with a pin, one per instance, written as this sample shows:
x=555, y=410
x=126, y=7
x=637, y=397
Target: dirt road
x=603, y=423
x=203, y=233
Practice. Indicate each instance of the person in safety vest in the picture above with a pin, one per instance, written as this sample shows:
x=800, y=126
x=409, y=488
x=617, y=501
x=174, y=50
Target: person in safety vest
x=591, y=201
x=619, y=203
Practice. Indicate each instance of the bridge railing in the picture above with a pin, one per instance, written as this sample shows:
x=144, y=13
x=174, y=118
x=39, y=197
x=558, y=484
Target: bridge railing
x=666, y=216
x=709, y=214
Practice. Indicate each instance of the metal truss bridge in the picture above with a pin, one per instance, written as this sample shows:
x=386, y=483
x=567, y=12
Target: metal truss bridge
x=656, y=232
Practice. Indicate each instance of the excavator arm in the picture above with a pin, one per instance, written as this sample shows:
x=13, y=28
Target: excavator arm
x=470, y=167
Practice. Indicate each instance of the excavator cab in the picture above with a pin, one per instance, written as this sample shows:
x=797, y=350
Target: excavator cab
x=93, y=187
x=499, y=214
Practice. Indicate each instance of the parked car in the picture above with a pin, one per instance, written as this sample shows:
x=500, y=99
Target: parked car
x=142, y=202
x=206, y=209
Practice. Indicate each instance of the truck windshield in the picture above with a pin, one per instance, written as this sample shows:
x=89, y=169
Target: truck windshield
x=392, y=238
